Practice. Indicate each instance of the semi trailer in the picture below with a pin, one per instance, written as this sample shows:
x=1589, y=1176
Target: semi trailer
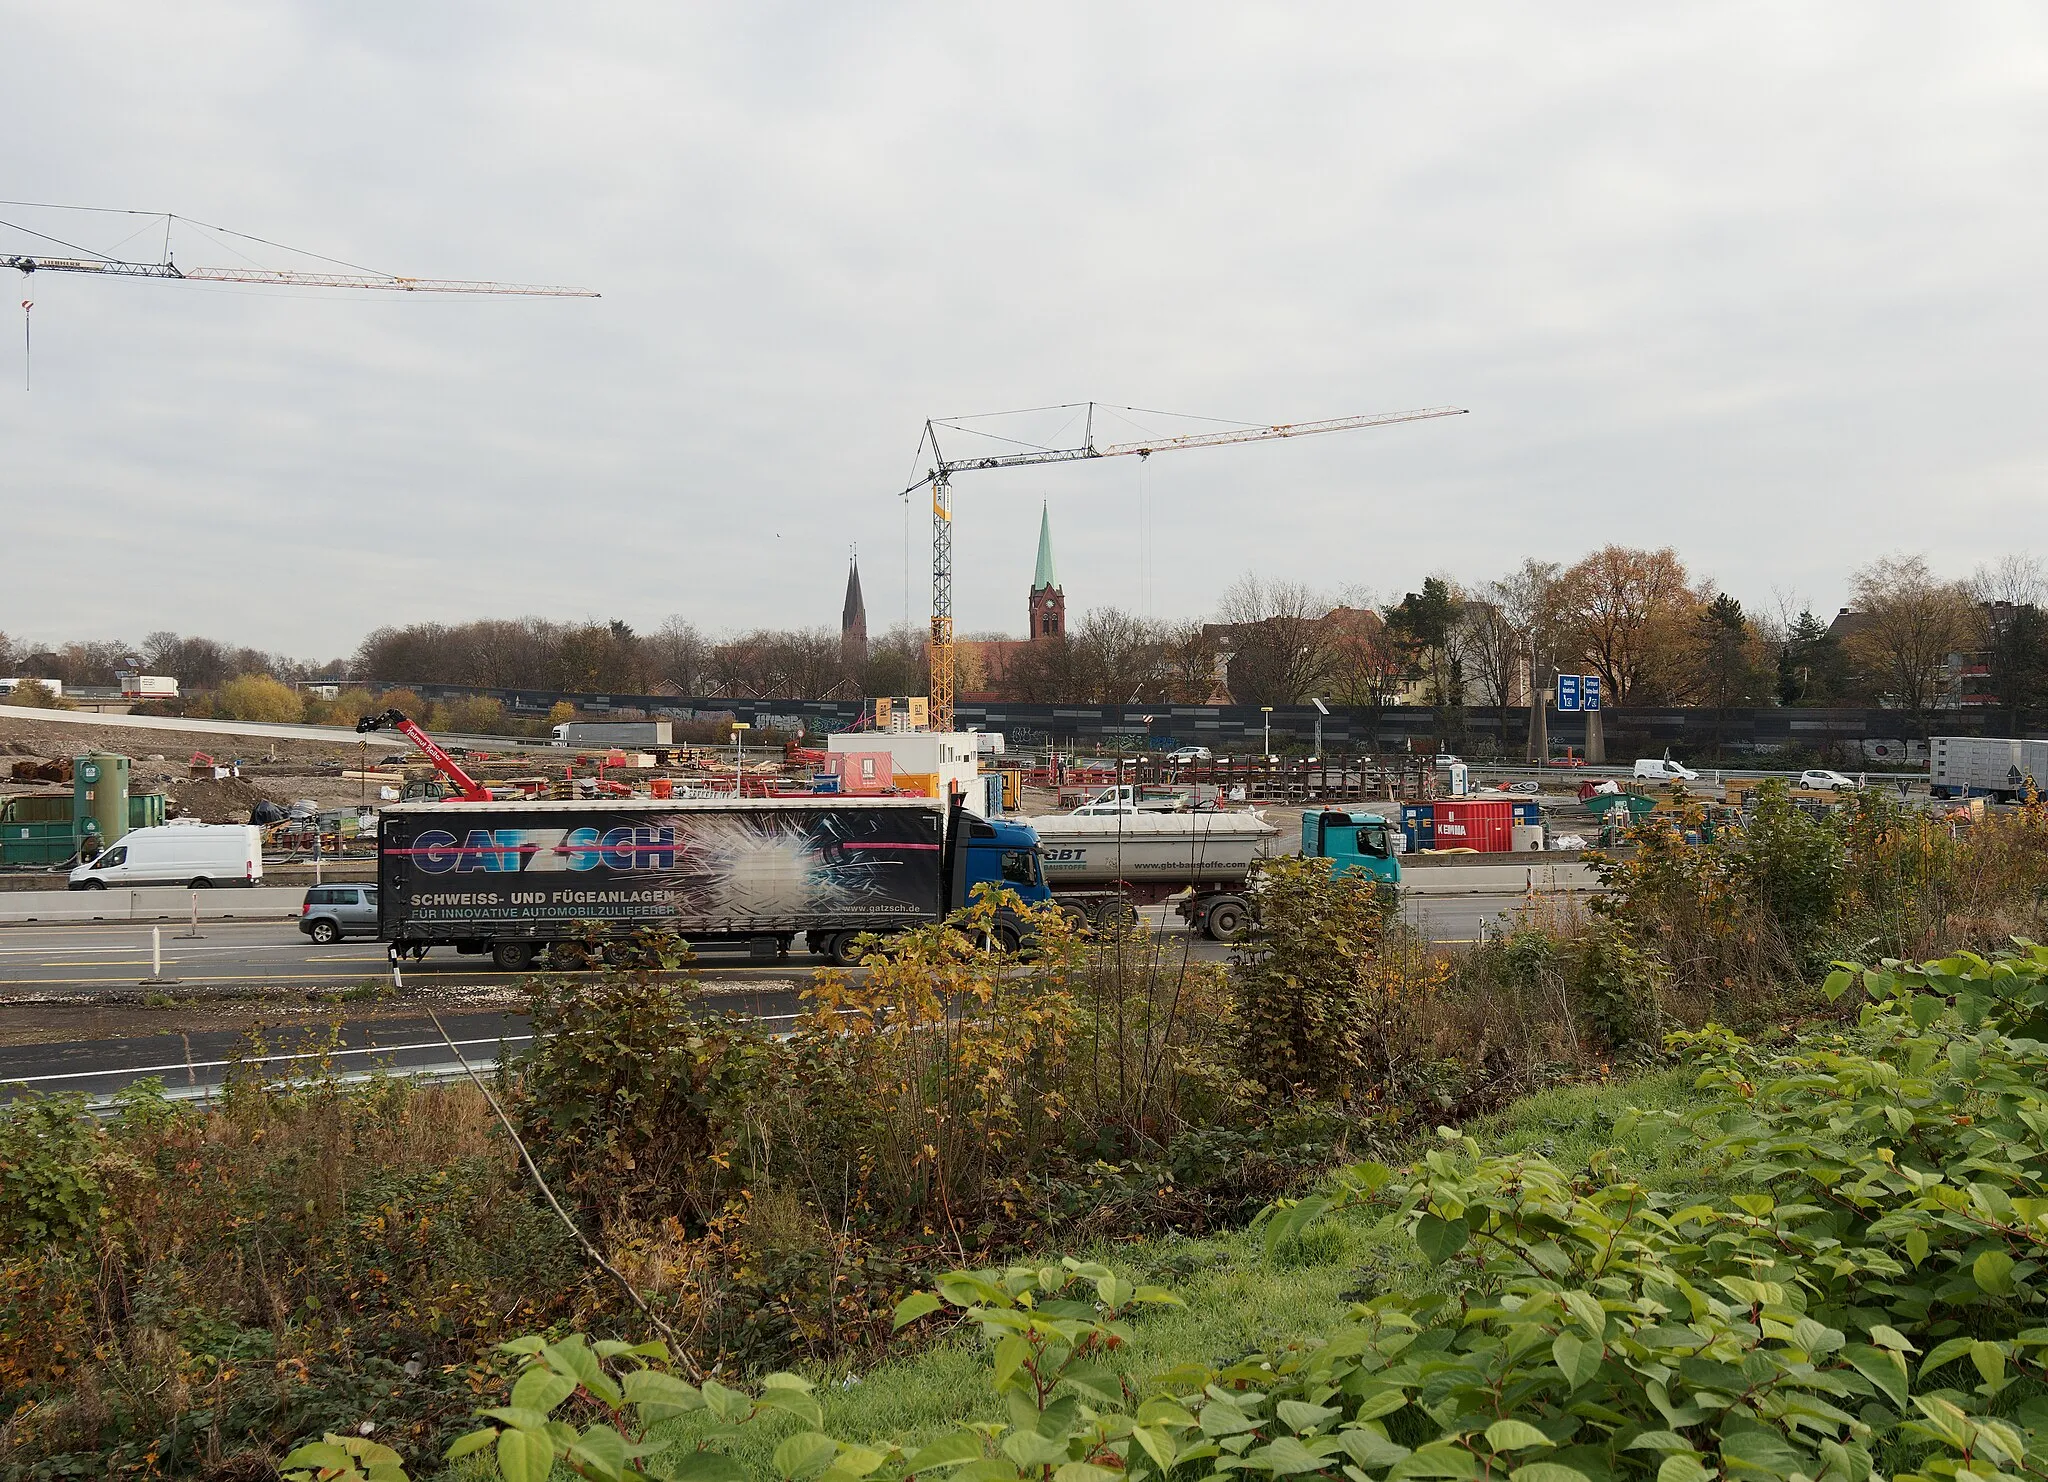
x=615, y=733
x=1100, y=865
x=1985, y=766
x=509, y=878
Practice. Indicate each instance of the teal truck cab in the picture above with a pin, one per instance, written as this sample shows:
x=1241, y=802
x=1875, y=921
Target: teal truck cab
x=1352, y=841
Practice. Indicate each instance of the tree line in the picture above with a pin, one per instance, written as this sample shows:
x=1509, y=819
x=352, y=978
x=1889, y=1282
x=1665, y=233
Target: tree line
x=1654, y=632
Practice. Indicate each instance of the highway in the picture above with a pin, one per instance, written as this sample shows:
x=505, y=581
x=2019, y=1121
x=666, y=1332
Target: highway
x=81, y=1011
x=259, y=956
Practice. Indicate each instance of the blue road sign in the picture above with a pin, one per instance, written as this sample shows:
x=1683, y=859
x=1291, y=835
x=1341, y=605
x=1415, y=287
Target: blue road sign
x=1567, y=692
x=1589, y=689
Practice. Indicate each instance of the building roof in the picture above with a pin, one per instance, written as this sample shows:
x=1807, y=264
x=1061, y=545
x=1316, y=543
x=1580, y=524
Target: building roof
x=1046, y=575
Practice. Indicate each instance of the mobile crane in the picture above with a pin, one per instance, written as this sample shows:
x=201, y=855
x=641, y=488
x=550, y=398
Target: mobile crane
x=467, y=787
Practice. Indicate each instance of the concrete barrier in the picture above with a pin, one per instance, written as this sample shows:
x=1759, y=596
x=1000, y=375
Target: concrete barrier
x=174, y=903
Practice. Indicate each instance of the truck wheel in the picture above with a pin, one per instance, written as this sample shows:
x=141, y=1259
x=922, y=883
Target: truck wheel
x=95, y=885
x=324, y=932
x=199, y=882
x=1225, y=921
x=1075, y=915
x=1007, y=939
x=512, y=957
x=841, y=949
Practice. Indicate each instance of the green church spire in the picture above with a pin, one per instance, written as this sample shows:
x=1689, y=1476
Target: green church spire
x=1046, y=575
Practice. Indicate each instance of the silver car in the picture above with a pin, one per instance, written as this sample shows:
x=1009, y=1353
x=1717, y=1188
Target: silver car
x=332, y=912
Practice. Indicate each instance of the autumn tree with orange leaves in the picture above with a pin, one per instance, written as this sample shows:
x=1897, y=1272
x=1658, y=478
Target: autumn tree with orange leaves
x=1631, y=615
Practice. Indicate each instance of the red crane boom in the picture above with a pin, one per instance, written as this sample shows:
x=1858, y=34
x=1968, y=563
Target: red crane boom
x=472, y=791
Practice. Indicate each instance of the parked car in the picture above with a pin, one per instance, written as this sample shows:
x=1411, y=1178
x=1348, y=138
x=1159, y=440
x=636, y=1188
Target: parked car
x=1569, y=759
x=1190, y=754
x=1819, y=779
x=1663, y=769
x=331, y=912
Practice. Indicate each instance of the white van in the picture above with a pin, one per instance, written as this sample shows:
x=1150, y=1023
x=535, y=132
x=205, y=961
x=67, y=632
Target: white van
x=1663, y=769
x=194, y=854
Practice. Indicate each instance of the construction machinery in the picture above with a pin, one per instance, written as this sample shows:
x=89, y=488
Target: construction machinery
x=940, y=479
x=466, y=787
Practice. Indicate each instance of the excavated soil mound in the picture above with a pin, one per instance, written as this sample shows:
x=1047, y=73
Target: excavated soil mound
x=227, y=800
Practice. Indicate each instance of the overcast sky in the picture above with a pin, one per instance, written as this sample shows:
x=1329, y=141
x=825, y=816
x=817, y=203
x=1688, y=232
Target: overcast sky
x=1764, y=283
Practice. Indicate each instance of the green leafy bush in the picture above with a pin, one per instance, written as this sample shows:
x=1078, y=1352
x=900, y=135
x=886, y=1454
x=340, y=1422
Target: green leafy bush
x=49, y=1189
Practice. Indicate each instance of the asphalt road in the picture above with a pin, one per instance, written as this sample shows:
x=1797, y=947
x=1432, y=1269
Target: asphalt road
x=78, y=1011
x=254, y=956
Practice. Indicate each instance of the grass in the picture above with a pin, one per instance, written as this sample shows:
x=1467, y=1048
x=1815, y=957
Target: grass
x=1237, y=1300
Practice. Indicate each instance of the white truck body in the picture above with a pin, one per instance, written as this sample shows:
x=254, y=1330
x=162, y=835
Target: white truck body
x=1189, y=848
x=150, y=687
x=1101, y=865
x=177, y=854
x=54, y=686
x=615, y=733
x=1985, y=766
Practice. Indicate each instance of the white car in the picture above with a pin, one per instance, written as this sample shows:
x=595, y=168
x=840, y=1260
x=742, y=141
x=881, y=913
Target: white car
x=1445, y=759
x=1663, y=769
x=1190, y=754
x=1821, y=780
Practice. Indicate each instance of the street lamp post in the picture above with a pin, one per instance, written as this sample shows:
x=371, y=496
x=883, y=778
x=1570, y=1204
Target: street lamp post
x=739, y=757
x=1266, y=716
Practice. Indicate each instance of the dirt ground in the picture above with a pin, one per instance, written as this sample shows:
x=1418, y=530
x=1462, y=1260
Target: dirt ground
x=276, y=1013
x=283, y=771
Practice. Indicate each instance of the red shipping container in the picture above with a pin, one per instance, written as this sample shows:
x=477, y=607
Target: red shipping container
x=1484, y=824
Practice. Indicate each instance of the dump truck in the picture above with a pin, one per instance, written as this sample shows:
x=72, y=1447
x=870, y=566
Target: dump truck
x=1101, y=866
x=1986, y=767
x=508, y=878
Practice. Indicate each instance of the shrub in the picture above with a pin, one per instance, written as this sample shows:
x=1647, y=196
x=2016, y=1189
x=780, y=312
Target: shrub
x=259, y=697
x=35, y=695
x=50, y=1191
x=1315, y=1010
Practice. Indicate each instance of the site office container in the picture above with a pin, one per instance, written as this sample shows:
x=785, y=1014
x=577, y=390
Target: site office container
x=1486, y=825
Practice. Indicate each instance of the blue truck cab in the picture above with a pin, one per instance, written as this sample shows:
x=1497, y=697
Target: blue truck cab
x=996, y=852
x=1351, y=841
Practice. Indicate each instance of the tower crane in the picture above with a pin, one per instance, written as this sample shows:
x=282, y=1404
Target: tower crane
x=89, y=261
x=940, y=479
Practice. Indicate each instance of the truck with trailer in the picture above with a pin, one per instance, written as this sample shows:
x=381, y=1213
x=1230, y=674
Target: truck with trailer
x=508, y=878
x=1986, y=767
x=1100, y=865
x=620, y=733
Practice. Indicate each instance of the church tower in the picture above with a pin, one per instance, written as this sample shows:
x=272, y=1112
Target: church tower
x=853, y=623
x=1048, y=601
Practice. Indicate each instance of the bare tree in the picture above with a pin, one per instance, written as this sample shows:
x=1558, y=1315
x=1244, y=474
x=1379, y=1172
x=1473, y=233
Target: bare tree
x=676, y=652
x=1117, y=656
x=1907, y=625
x=2014, y=579
x=1187, y=663
x=1280, y=645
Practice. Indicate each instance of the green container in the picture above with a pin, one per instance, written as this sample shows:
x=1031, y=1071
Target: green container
x=99, y=792
x=145, y=810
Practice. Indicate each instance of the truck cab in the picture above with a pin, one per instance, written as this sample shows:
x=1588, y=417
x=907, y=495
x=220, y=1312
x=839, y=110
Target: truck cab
x=996, y=852
x=1351, y=841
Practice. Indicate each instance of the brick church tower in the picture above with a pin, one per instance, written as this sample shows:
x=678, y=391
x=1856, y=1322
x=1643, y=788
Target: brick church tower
x=1048, y=601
